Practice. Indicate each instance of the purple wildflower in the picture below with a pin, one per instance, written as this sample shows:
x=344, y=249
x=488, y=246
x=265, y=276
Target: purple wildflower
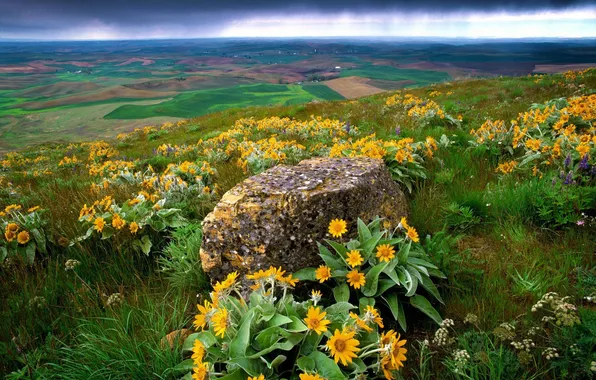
x=580, y=222
x=567, y=161
x=569, y=178
x=397, y=130
x=562, y=174
x=583, y=164
x=347, y=127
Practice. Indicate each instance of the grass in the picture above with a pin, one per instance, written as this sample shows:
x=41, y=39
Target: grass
x=484, y=232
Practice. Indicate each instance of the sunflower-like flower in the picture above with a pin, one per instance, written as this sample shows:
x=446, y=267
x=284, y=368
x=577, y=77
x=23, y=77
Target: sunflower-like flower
x=201, y=371
x=343, y=346
x=354, y=258
x=315, y=320
x=314, y=376
x=385, y=252
x=412, y=234
x=99, y=224
x=134, y=227
x=315, y=296
x=201, y=318
x=361, y=323
x=220, y=322
x=117, y=222
x=226, y=284
x=323, y=273
x=12, y=227
x=23, y=237
x=260, y=377
x=10, y=236
x=337, y=227
x=373, y=315
x=393, y=354
x=198, y=352
x=356, y=279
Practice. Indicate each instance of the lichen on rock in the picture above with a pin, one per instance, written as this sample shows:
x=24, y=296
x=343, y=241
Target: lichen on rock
x=277, y=217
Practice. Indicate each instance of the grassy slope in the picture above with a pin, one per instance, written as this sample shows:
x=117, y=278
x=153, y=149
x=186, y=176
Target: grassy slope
x=488, y=256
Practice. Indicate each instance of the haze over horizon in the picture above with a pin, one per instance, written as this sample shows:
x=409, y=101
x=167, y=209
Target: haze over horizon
x=155, y=19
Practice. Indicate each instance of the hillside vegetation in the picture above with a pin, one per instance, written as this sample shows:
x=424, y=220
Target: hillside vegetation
x=100, y=243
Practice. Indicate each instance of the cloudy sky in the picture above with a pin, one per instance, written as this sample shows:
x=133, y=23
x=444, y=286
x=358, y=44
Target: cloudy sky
x=135, y=19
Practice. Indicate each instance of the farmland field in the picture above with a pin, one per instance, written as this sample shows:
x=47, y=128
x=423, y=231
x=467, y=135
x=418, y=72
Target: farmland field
x=98, y=89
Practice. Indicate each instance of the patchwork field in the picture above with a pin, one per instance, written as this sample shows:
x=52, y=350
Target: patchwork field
x=45, y=83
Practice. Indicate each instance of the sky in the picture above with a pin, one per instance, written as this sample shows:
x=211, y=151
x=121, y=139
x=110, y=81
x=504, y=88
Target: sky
x=149, y=19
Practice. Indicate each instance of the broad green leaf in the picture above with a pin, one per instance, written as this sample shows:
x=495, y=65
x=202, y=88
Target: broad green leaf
x=252, y=367
x=267, y=338
x=392, y=300
x=278, y=320
x=372, y=280
x=414, y=272
x=339, y=308
x=267, y=311
x=369, y=245
x=306, y=274
x=40, y=239
x=421, y=262
x=290, y=341
x=430, y=287
x=279, y=359
x=363, y=231
x=422, y=304
x=240, y=343
x=436, y=273
x=340, y=249
x=185, y=365
x=329, y=259
x=341, y=293
x=310, y=343
x=305, y=364
x=326, y=367
x=30, y=253
x=3, y=253
x=384, y=285
x=296, y=325
x=402, y=255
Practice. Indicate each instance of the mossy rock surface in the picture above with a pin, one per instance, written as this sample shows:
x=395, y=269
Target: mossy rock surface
x=277, y=217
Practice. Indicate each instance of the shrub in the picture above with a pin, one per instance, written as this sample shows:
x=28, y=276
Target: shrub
x=274, y=334
x=379, y=265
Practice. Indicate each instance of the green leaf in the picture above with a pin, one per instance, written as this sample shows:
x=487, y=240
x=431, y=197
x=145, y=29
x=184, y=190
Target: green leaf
x=363, y=231
x=326, y=367
x=340, y=308
x=384, y=285
x=372, y=280
x=364, y=302
x=296, y=325
x=422, y=304
x=404, y=252
x=239, y=344
x=3, y=253
x=392, y=300
x=240, y=373
x=306, y=274
x=40, y=239
x=329, y=259
x=185, y=365
x=279, y=359
x=310, y=343
x=268, y=337
x=278, y=320
x=369, y=245
x=30, y=253
x=292, y=339
x=305, y=364
x=340, y=249
x=267, y=312
x=144, y=244
x=341, y=293
x=430, y=287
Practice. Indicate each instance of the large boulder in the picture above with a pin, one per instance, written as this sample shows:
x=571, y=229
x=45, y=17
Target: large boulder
x=277, y=217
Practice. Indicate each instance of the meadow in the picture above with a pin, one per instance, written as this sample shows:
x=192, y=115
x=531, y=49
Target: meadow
x=101, y=275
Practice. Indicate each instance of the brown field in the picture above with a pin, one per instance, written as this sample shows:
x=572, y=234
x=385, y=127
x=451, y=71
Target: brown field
x=352, y=87
x=118, y=92
x=17, y=83
x=389, y=85
x=57, y=89
x=145, y=61
x=554, y=69
x=28, y=68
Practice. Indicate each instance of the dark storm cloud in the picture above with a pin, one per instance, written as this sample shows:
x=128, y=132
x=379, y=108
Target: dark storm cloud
x=52, y=15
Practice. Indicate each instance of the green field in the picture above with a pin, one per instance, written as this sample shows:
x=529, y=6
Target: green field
x=420, y=77
x=200, y=103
